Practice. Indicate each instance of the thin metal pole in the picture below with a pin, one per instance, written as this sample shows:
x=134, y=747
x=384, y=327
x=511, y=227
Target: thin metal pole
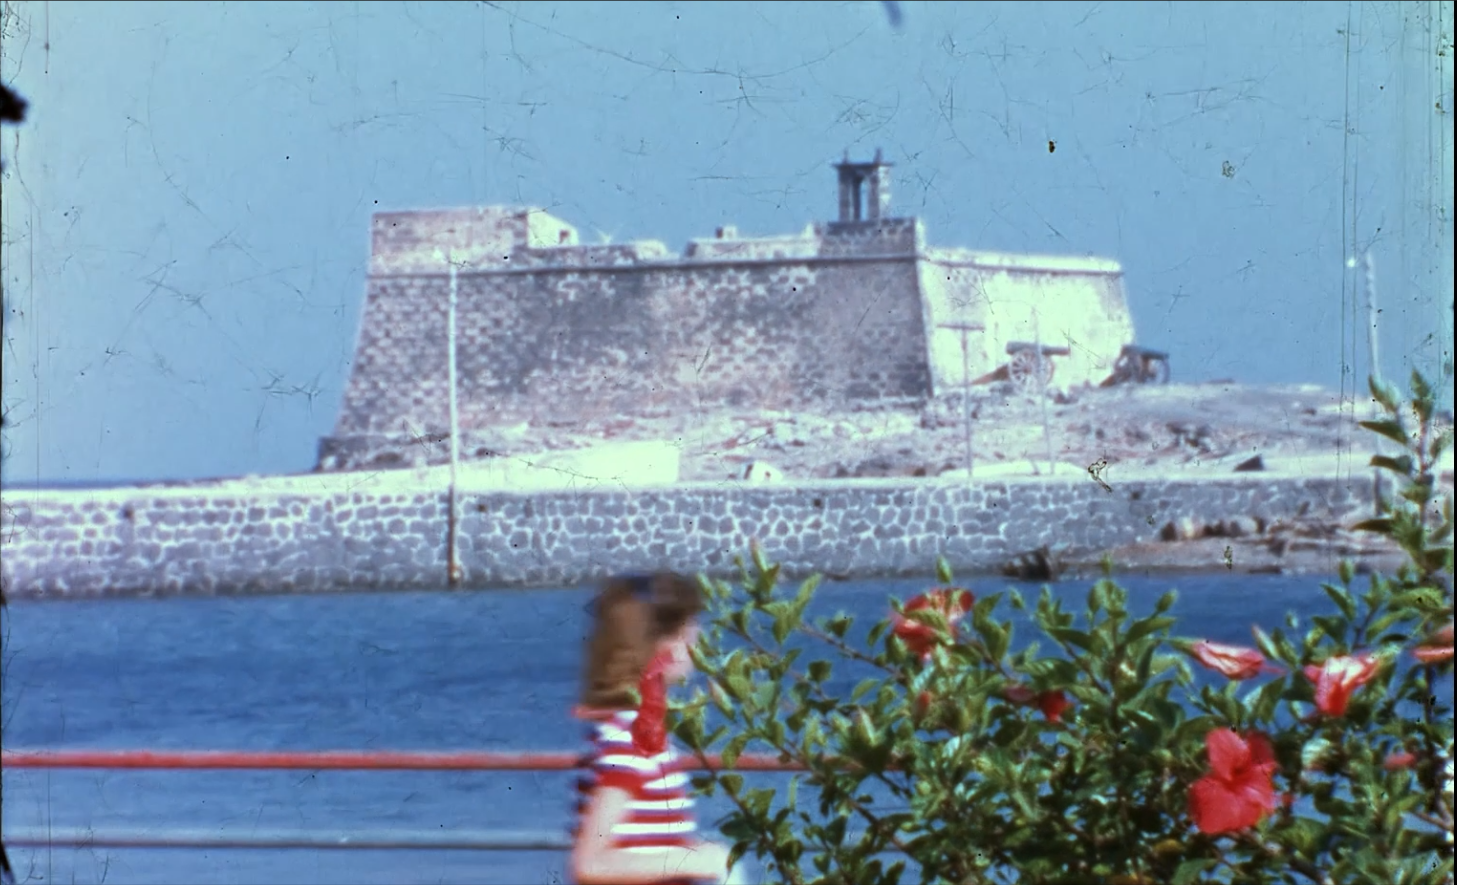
x=499, y=840
x=1373, y=368
x=1371, y=314
x=966, y=398
x=452, y=520
x=965, y=329
x=1042, y=390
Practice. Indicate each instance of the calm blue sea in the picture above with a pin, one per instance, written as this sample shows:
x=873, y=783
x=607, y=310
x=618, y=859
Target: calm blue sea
x=415, y=671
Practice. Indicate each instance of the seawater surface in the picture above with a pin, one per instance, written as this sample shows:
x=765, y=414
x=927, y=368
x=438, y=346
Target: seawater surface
x=409, y=671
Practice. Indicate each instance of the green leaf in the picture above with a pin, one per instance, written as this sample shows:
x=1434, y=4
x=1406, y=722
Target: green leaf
x=1439, y=444
x=1400, y=465
x=806, y=594
x=1381, y=624
x=1146, y=627
x=1342, y=600
x=733, y=749
x=1069, y=636
x=1427, y=599
x=1261, y=704
x=997, y=637
x=943, y=570
x=1422, y=398
x=819, y=671
x=862, y=688
x=1346, y=570
x=1392, y=430
x=1380, y=525
x=1144, y=668
x=1333, y=627
x=785, y=621
x=737, y=686
x=1384, y=393
x=1265, y=644
x=732, y=783
x=760, y=563
x=1314, y=752
x=1191, y=871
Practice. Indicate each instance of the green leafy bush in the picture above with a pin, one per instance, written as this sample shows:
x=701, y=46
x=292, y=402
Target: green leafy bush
x=1322, y=758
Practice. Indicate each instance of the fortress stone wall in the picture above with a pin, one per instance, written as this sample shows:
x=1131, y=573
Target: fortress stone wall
x=550, y=331
x=200, y=540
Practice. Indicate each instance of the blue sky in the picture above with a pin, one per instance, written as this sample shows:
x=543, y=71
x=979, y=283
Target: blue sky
x=186, y=210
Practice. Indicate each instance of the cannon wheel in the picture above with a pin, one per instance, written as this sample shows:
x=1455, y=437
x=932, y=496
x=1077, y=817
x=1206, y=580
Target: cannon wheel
x=1126, y=368
x=1023, y=370
x=1156, y=371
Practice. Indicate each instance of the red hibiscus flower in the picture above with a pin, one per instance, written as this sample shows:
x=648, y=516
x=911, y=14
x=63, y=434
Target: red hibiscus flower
x=1338, y=678
x=1051, y=703
x=1399, y=760
x=1233, y=661
x=951, y=602
x=1437, y=648
x=1238, y=791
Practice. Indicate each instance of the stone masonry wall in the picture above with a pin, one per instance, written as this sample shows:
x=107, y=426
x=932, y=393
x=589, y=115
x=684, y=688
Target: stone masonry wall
x=190, y=540
x=563, y=344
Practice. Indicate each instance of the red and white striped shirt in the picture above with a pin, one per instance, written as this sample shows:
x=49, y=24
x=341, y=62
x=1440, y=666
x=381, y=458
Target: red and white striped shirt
x=660, y=812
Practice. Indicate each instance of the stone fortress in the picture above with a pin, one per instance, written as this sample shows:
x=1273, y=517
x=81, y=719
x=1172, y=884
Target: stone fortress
x=853, y=312
x=854, y=315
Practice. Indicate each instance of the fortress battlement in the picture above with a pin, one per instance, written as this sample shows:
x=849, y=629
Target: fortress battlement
x=850, y=310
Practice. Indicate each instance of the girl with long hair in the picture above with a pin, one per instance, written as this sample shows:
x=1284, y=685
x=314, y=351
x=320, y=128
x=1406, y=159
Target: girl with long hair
x=635, y=822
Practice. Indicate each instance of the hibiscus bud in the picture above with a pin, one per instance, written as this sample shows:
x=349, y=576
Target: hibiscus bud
x=1399, y=760
x=1436, y=648
x=1019, y=694
x=1233, y=661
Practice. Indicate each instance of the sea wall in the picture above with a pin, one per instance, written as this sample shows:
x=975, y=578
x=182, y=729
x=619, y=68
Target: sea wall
x=222, y=540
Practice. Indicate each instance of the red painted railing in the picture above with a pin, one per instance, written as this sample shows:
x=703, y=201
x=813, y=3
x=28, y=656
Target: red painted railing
x=337, y=760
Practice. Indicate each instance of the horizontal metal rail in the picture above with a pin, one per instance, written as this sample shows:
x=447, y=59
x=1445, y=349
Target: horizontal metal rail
x=497, y=840
x=340, y=760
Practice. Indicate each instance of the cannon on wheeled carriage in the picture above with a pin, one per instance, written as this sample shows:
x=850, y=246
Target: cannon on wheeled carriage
x=1023, y=369
x=1139, y=365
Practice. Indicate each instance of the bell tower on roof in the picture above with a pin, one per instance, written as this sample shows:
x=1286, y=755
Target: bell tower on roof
x=864, y=189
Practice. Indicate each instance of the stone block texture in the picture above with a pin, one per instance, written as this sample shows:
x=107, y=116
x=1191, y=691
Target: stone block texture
x=171, y=541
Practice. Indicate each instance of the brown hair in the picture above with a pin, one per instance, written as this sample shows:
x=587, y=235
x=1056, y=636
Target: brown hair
x=632, y=616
